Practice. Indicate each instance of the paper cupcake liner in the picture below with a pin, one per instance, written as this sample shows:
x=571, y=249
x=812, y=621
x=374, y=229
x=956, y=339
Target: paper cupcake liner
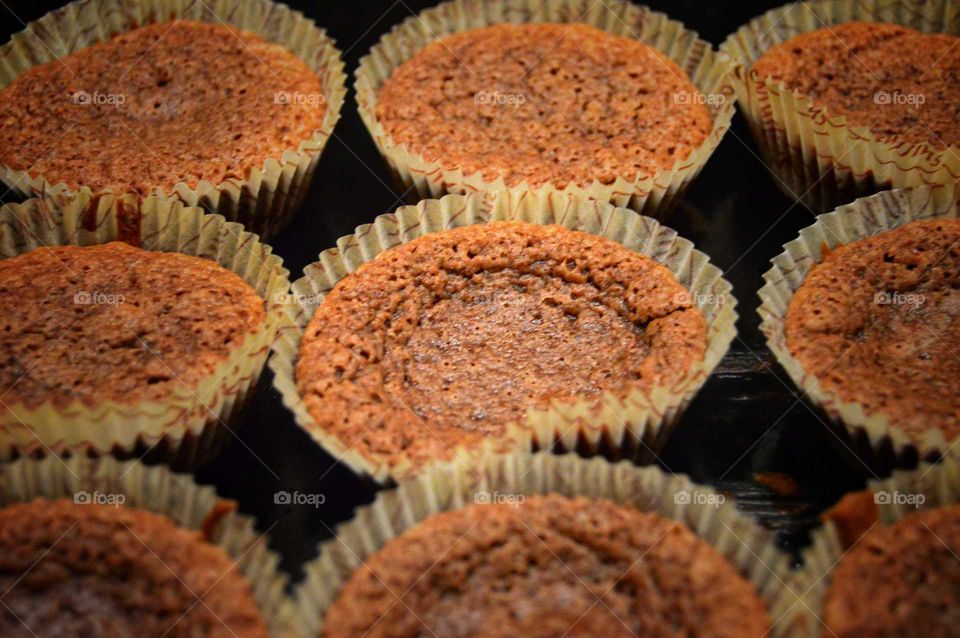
x=896, y=498
x=817, y=157
x=871, y=439
x=637, y=424
x=177, y=496
x=271, y=194
x=189, y=426
x=745, y=544
x=652, y=195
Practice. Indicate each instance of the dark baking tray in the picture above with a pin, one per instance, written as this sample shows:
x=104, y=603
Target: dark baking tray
x=748, y=432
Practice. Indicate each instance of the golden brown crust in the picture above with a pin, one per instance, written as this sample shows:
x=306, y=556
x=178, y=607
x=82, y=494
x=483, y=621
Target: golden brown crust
x=550, y=566
x=114, y=322
x=877, y=322
x=445, y=340
x=199, y=102
x=98, y=570
x=896, y=81
x=899, y=581
x=853, y=515
x=554, y=103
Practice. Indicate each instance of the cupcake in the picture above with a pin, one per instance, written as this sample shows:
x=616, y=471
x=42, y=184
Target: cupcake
x=846, y=99
x=544, y=545
x=479, y=327
x=111, y=347
x=104, y=548
x=861, y=312
x=625, y=107
x=230, y=115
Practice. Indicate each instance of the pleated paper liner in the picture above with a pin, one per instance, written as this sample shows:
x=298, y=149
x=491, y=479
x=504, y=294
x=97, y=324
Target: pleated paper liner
x=650, y=194
x=815, y=155
x=869, y=440
x=896, y=497
x=266, y=200
x=176, y=496
x=745, y=544
x=191, y=425
x=637, y=424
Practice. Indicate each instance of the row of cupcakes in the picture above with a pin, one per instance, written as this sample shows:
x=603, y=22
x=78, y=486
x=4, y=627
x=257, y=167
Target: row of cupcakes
x=624, y=106
x=516, y=544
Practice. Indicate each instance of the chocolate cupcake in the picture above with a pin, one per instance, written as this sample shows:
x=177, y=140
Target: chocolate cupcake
x=845, y=100
x=542, y=545
x=614, y=108
x=489, y=319
x=115, y=348
x=861, y=312
x=207, y=111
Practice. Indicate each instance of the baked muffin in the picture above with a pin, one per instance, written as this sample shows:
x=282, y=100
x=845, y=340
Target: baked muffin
x=173, y=102
x=900, y=580
x=874, y=322
x=544, y=103
x=447, y=339
x=116, y=323
x=899, y=83
x=550, y=566
x=97, y=570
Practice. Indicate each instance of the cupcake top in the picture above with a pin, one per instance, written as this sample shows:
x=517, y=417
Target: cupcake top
x=114, y=322
x=898, y=82
x=167, y=103
x=899, y=581
x=445, y=340
x=547, y=566
x=876, y=323
x=558, y=103
x=100, y=570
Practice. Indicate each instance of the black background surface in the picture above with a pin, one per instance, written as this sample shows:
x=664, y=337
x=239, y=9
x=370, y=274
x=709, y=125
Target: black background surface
x=748, y=419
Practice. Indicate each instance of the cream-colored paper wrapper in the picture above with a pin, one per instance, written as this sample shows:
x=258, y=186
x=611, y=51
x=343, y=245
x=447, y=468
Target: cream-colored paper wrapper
x=192, y=424
x=896, y=498
x=747, y=545
x=271, y=194
x=815, y=156
x=870, y=439
x=636, y=424
x=177, y=496
x=650, y=194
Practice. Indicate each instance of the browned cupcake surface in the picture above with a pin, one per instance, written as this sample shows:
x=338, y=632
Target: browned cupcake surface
x=445, y=340
x=544, y=103
x=77, y=571
x=167, y=103
x=899, y=581
x=878, y=322
x=898, y=82
x=114, y=322
x=551, y=566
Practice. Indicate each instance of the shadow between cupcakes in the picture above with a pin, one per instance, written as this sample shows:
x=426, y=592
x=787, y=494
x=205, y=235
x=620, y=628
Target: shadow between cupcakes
x=816, y=157
x=191, y=423
x=268, y=196
x=652, y=195
x=635, y=422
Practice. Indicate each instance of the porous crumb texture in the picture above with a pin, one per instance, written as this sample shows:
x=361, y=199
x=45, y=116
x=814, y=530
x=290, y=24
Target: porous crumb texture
x=167, y=103
x=859, y=69
x=877, y=322
x=551, y=566
x=447, y=339
x=546, y=103
x=76, y=571
x=899, y=581
x=114, y=322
